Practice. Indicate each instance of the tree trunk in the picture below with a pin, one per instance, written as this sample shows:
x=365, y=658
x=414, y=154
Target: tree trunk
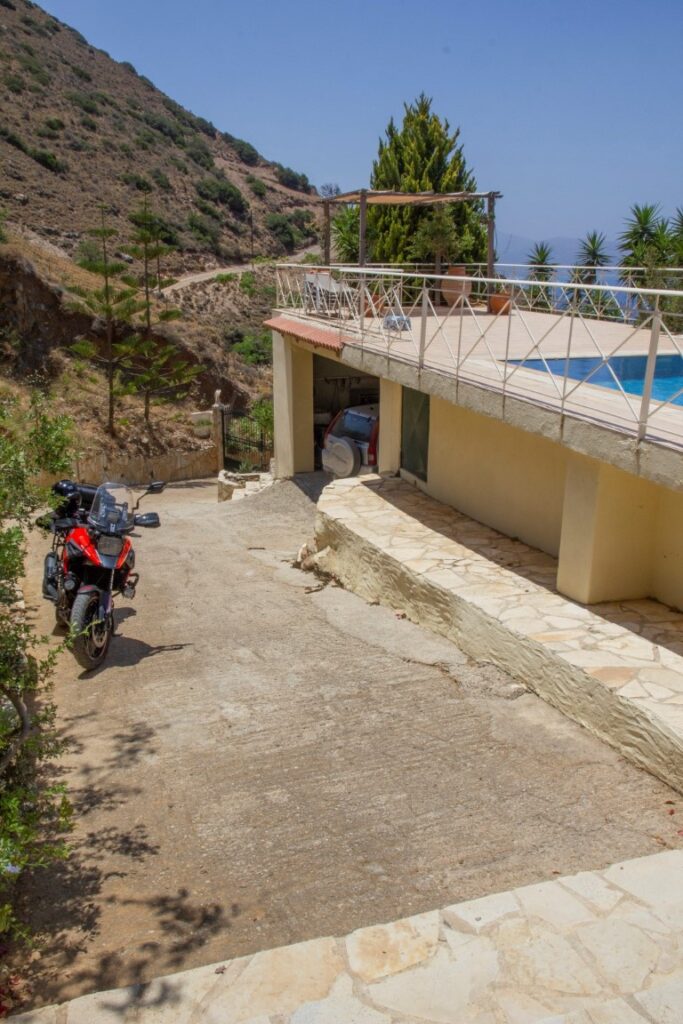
x=146, y=406
x=110, y=377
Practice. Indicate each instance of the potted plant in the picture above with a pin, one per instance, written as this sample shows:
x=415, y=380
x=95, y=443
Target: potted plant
x=500, y=298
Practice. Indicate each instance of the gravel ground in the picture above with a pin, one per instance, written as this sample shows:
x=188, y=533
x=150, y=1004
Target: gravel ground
x=266, y=759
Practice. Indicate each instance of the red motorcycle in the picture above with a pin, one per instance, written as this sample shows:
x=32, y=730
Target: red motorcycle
x=91, y=560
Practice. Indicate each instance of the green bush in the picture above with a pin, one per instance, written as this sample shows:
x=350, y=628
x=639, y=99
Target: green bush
x=128, y=66
x=35, y=68
x=225, y=278
x=262, y=412
x=160, y=179
x=48, y=160
x=257, y=186
x=145, y=139
x=137, y=181
x=279, y=224
x=205, y=126
x=54, y=123
x=198, y=151
x=180, y=164
x=220, y=190
x=247, y=153
x=255, y=349
x=89, y=123
x=15, y=83
x=171, y=129
x=81, y=73
x=205, y=231
x=248, y=283
x=8, y=4
x=291, y=179
x=85, y=102
x=13, y=139
x=209, y=210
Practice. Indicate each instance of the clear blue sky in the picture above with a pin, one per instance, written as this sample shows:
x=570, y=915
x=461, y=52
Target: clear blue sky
x=572, y=110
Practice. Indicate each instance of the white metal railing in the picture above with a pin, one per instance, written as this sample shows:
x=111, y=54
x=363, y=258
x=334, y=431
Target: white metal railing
x=589, y=350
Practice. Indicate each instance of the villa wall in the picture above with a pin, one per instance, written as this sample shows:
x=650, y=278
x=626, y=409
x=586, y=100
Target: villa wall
x=497, y=474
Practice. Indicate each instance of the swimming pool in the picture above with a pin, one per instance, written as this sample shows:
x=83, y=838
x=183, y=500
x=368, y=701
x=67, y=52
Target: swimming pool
x=630, y=370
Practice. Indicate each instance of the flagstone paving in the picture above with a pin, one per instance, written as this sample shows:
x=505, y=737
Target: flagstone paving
x=593, y=948
x=616, y=668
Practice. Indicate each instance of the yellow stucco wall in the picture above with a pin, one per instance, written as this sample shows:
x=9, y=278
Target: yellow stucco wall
x=667, y=563
x=499, y=475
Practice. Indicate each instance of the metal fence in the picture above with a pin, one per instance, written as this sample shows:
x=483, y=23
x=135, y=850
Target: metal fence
x=247, y=445
x=597, y=351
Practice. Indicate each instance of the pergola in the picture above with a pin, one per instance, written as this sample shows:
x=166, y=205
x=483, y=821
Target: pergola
x=365, y=197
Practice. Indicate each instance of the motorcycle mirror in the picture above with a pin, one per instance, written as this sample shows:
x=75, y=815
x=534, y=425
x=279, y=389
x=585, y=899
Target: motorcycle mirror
x=156, y=487
x=148, y=519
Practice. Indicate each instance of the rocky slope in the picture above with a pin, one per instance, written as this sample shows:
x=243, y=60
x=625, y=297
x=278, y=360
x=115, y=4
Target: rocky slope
x=78, y=130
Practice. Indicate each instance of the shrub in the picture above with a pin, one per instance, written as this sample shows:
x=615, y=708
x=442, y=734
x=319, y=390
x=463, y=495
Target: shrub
x=160, y=179
x=3, y=217
x=13, y=139
x=209, y=209
x=81, y=73
x=257, y=186
x=220, y=190
x=137, y=181
x=279, y=224
x=291, y=179
x=8, y=4
x=144, y=139
x=171, y=129
x=34, y=67
x=247, y=153
x=255, y=349
x=248, y=283
x=85, y=102
x=225, y=278
x=79, y=145
x=48, y=160
x=147, y=81
x=89, y=123
x=205, y=231
x=128, y=66
x=262, y=412
x=205, y=126
x=15, y=83
x=54, y=123
x=180, y=164
x=199, y=152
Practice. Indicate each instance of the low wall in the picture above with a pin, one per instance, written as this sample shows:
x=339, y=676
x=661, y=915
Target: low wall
x=173, y=466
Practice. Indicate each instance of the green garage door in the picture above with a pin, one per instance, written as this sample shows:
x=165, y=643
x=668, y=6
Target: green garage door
x=414, y=432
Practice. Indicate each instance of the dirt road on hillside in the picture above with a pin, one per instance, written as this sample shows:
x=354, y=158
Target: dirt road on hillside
x=263, y=760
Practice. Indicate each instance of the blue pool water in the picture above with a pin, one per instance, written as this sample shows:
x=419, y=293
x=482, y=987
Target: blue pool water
x=630, y=371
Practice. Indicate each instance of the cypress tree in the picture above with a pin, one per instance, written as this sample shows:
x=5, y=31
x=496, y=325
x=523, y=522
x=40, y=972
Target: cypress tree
x=422, y=155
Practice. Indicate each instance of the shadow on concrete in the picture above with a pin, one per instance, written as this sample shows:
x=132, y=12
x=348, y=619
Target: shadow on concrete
x=312, y=484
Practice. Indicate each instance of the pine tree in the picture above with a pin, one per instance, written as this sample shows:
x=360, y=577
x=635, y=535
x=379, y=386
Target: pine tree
x=422, y=155
x=114, y=306
x=154, y=365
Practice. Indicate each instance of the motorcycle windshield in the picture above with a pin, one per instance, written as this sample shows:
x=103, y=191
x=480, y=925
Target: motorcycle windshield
x=112, y=508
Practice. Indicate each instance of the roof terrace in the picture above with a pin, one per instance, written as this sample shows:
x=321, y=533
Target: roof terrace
x=598, y=353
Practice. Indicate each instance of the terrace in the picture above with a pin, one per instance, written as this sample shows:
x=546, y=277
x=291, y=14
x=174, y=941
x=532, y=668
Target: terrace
x=574, y=344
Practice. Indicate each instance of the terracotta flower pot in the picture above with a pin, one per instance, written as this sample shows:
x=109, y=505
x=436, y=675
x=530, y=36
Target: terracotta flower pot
x=456, y=289
x=500, y=304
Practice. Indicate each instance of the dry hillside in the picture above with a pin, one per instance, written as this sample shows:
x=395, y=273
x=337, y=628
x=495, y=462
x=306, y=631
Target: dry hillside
x=78, y=129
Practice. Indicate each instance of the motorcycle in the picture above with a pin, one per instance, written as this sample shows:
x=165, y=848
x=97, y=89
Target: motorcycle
x=92, y=559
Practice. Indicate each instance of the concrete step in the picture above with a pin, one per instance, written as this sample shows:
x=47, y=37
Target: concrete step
x=594, y=948
x=495, y=598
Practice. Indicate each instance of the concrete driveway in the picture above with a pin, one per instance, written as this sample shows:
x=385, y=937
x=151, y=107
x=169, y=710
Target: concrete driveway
x=264, y=760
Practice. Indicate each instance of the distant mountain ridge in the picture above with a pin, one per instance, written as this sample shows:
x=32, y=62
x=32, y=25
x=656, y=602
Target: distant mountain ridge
x=79, y=129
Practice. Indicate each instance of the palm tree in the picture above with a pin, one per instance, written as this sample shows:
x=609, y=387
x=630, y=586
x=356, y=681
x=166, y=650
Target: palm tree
x=540, y=259
x=345, y=234
x=592, y=254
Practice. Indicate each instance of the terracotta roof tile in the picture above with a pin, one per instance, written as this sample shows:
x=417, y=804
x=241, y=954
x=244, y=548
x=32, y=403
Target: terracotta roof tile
x=318, y=336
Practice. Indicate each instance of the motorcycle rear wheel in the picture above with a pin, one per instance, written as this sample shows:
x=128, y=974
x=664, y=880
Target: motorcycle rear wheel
x=91, y=637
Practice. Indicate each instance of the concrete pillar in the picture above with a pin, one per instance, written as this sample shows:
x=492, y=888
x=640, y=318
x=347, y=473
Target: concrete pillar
x=389, y=456
x=217, y=429
x=292, y=407
x=608, y=525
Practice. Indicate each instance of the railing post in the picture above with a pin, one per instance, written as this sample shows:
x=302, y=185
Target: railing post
x=423, y=324
x=649, y=371
x=565, y=377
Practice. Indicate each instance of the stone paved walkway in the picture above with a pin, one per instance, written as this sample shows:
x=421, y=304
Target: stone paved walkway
x=495, y=598
x=594, y=948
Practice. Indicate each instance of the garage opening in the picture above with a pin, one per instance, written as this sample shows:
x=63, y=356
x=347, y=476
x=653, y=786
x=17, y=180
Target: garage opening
x=338, y=388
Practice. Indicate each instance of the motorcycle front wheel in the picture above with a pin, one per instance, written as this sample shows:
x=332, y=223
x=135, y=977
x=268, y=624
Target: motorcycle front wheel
x=91, y=635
